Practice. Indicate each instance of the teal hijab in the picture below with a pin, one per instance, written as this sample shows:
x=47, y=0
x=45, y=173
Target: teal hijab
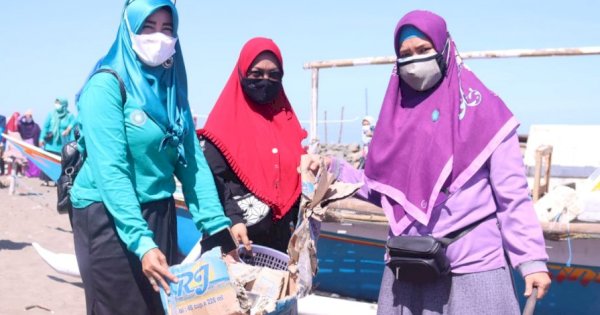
x=153, y=87
x=58, y=114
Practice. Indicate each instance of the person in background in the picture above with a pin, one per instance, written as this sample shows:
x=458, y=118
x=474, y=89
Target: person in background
x=195, y=119
x=56, y=131
x=252, y=142
x=368, y=127
x=124, y=219
x=30, y=132
x=12, y=125
x=12, y=129
x=446, y=157
x=2, y=128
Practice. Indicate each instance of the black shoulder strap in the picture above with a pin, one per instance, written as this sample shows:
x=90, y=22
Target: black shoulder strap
x=121, y=84
x=123, y=97
x=453, y=236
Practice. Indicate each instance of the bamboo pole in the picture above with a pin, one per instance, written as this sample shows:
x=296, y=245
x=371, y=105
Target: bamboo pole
x=325, y=126
x=341, y=126
x=370, y=211
x=356, y=205
x=510, y=53
x=336, y=216
x=571, y=228
x=314, y=101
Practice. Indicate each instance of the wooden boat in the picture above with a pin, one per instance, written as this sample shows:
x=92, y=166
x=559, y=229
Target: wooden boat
x=47, y=162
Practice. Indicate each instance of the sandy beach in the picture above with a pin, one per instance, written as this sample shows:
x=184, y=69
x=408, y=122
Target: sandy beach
x=28, y=285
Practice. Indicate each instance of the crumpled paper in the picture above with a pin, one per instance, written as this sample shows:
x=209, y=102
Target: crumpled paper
x=258, y=288
x=317, y=192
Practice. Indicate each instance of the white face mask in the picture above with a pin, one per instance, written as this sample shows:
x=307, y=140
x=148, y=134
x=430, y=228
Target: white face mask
x=152, y=49
x=420, y=72
x=57, y=106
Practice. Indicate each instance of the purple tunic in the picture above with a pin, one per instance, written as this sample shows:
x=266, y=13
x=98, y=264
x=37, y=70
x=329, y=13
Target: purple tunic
x=498, y=186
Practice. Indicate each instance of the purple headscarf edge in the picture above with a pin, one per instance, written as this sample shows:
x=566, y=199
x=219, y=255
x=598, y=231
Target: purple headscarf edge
x=400, y=206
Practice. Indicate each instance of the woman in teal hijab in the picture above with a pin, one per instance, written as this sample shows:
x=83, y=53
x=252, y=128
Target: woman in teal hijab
x=57, y=130
x=124, y=221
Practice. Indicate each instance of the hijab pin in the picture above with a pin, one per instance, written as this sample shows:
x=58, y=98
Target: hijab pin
x=435, y=115
x=168, y=64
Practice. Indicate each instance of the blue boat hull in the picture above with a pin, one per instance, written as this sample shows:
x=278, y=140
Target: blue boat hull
x=353, y=266
x=350, y=267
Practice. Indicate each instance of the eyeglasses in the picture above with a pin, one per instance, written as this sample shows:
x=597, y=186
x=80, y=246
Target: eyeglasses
x=273, y=75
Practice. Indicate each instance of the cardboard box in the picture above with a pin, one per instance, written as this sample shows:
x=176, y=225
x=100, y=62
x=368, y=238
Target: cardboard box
x=204, y=288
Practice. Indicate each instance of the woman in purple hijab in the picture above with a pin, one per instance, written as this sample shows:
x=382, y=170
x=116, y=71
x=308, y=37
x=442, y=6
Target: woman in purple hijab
x=30, y=133
x=446, y=157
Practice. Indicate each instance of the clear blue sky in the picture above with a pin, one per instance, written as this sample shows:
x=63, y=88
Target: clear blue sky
x=50, y=46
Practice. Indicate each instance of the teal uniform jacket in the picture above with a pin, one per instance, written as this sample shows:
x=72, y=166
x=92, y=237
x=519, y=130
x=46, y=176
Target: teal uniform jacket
x=124, y=167
x=58, y=141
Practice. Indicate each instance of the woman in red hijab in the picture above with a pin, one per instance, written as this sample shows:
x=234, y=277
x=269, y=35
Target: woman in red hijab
x=12, y=129
x=12, y=124
x=252, y=142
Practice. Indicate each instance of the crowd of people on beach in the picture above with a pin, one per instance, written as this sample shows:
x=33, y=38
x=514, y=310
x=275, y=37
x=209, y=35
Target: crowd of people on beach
x=441, y=162
x=57, y=129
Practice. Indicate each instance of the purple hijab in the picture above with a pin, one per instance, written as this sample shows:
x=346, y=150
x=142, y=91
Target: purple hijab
x=428, y=144
x=29, y=130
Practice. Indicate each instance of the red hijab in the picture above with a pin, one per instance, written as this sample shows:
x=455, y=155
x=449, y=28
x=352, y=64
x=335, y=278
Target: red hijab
x=261, y=143
x=13, y=121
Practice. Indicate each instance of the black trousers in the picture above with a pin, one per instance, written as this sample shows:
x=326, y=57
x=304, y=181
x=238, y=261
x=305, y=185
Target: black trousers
x=1, y=160
x=112, y=276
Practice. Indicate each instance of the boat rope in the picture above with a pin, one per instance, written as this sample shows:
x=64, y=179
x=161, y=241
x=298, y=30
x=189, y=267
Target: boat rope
x=568, y=224
x=569, y=245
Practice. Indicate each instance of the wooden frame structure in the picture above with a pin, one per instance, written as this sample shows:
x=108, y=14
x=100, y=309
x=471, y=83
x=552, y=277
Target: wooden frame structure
x=315, y=66
x=541, y=176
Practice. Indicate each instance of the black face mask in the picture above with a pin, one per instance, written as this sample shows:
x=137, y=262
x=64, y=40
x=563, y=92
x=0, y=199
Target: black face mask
x=261, y=91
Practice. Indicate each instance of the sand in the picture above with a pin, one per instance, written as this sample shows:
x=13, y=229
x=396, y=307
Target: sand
x=27, y=284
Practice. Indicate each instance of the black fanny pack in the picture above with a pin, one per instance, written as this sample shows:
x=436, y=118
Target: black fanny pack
x=422, y=258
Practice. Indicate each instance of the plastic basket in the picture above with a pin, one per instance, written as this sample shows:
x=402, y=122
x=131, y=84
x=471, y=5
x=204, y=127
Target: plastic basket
x=264, y=257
